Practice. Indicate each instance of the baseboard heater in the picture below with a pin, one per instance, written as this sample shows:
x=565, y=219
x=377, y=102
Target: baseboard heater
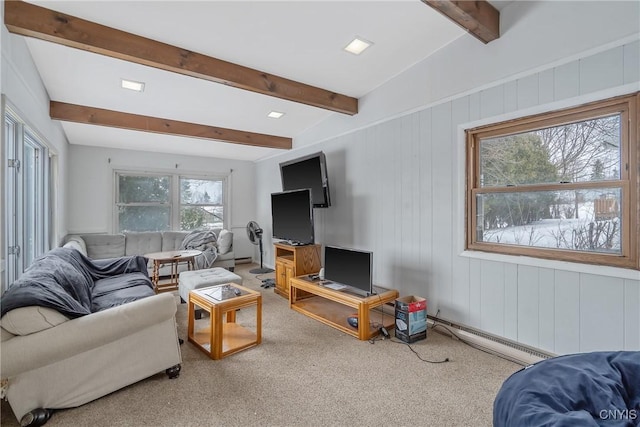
x=245, y=260
x=502, y=347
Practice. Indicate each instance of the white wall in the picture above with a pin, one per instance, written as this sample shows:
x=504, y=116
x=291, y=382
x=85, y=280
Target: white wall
x=91, y=186
x=20, y=83
x=397, y=180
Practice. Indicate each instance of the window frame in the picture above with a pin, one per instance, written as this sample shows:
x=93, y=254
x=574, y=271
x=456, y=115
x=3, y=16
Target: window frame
x=202, y=178
x=174, y=203
x=118, y=204
x=629, y=182
x=17, y=135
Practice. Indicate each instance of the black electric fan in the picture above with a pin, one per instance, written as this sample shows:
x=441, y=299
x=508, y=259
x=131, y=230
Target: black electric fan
x=254, y=232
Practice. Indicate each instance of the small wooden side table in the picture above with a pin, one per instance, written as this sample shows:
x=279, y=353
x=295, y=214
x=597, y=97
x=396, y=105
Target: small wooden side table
x=175, y=258
x=221, y=335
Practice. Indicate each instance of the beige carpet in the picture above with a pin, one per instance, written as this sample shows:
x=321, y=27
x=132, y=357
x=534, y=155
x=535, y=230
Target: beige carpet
x=308, y=374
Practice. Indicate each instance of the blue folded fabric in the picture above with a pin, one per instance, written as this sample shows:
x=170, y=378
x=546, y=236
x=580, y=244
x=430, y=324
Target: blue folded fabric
x=586, y=389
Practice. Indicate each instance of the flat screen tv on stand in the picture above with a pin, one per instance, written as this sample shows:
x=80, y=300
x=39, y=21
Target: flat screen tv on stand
x=292, y=217
x=350, y=267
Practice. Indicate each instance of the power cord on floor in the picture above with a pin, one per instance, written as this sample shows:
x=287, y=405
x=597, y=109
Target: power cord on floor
x=397, y=341
x=384, y=335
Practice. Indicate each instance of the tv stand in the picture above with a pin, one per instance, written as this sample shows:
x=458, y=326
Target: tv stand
x=292, y=261
x=332, y=307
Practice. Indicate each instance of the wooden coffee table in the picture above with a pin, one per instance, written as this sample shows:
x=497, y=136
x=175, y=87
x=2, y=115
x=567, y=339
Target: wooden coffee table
x=175, y=258
x=221, y=335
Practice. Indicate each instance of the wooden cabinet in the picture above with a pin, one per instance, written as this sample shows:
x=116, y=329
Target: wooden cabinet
x=292, y=261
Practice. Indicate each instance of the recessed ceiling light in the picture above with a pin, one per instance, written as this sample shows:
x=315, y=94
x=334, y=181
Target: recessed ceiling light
x=357, y=46
x=130, y=84
x=275, y=114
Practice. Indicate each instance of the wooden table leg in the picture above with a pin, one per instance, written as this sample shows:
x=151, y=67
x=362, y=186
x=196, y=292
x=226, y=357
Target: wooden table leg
x=156, y=274
x=259, y=320
x=174, y=274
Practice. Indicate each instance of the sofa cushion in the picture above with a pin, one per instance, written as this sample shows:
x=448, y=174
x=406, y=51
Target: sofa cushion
x=28, y=320
x=171, y=240
x=101, y=246
x=225, y=240
x=121, y=289
x=143, y=243
x=5, y=335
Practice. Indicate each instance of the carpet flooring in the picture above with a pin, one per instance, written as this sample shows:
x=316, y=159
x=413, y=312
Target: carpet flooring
x=305, y=373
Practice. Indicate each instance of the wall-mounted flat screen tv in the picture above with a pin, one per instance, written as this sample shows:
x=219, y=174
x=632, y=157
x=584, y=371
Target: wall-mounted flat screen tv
x=308, y=172
x=292, y=217
x=349, y=267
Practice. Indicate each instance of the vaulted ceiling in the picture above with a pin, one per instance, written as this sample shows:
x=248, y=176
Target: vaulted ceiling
x=213, y=70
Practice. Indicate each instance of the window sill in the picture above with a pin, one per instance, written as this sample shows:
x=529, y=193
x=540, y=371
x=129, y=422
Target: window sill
x=601, y=270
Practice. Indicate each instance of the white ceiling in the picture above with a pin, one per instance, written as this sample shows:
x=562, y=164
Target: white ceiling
x=298, y=40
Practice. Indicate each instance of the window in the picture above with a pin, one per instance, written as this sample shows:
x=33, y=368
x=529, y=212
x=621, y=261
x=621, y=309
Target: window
x=144, y=202
x=158, y=202
x=201, y=203
x=28, y=190
x=560, y=185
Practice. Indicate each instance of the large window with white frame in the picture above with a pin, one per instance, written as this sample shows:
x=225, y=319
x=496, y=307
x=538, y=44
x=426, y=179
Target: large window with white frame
x=160, y=201
x=27, y=195
x=560, y=185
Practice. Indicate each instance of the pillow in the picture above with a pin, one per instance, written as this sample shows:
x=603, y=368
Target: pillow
x=28, y=320
x=73, y=244
x=76, y=242
x=225, y=240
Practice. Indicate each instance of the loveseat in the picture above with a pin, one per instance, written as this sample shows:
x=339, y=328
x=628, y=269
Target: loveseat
x=100, y=246
x=75, y=329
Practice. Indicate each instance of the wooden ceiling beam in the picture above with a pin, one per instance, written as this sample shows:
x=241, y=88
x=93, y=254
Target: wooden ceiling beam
x=101, y=117
x=34, y=21
x=478, y=17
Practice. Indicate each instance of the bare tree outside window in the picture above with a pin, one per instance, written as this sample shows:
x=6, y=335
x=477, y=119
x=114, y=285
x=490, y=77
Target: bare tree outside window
x=559, y=181
x=201, y=203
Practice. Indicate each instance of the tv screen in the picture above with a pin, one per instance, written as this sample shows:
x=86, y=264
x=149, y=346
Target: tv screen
x=349, y=267
x=292, y=216
x=308, y=172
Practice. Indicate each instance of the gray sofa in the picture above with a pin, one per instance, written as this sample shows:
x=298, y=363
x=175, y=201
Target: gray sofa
x=101, y=246
x=75, y=329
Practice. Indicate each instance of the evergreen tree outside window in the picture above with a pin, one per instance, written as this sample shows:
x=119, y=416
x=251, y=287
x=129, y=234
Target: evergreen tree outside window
x=144, y=202
x=161, y=202
x=560, y=185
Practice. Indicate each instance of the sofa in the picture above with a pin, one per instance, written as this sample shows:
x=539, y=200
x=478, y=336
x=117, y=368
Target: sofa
x=75, y=329
x=100, y=246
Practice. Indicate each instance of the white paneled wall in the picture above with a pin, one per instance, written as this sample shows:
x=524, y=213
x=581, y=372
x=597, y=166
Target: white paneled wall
x=395, y=189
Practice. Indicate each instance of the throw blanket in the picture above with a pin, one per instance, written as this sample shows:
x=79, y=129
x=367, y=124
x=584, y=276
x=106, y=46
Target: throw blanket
x=205, y=241
x=63, y=279
x=587, y=389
